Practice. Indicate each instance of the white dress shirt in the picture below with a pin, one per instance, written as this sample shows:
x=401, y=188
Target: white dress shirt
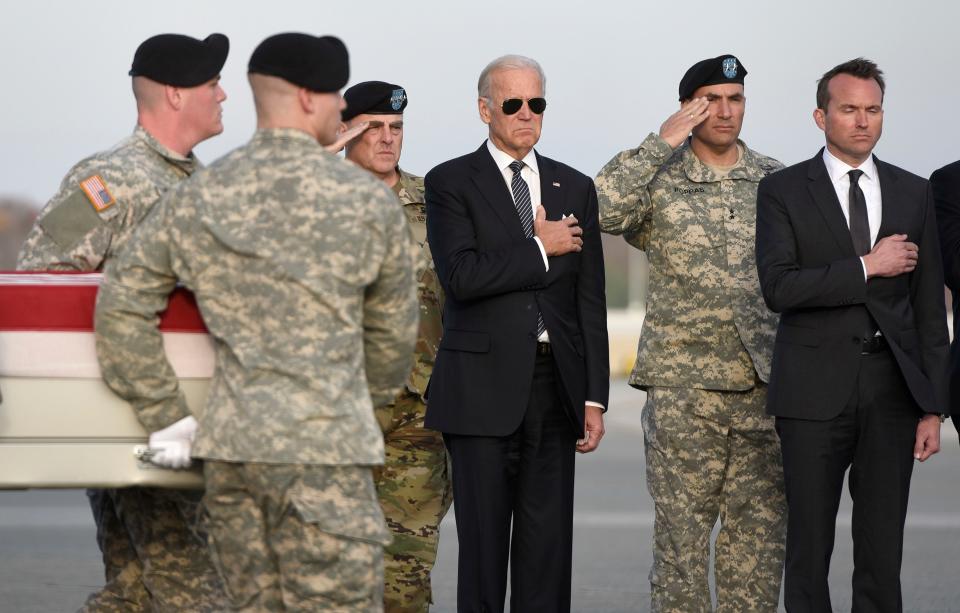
x=530, y=174
x=869, y=184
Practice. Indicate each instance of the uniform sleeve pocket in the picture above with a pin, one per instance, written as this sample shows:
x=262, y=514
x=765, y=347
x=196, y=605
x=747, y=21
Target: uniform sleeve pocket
x=70, y=221
x=464, y=340
x=350, y=518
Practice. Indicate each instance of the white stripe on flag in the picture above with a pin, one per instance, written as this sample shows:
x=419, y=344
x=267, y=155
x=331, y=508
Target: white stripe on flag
x=74, y=355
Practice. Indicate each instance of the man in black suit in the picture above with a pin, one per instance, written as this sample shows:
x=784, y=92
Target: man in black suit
x=945, y=184
x=847, y=252
x=522, y=376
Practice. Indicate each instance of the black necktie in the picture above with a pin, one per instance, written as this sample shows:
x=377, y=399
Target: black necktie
x=521, y=200
x=859, y=223
x=860, y=233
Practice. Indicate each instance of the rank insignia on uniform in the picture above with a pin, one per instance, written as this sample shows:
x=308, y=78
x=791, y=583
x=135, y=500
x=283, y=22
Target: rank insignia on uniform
x=397, y=98
x=97, y=193
x=730, y=67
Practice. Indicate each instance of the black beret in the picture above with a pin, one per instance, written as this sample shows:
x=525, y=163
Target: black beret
x=375, y=98
x=720, y=69
x=318, y=63
x=178, y=60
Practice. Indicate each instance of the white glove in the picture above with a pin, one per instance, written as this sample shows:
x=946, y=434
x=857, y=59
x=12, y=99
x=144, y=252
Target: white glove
x=170, y=447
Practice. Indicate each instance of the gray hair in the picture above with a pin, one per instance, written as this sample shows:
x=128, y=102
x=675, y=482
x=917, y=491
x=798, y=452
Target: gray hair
x=508, y=62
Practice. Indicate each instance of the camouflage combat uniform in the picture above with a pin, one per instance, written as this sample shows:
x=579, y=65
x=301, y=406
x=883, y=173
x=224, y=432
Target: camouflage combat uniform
x=303, y=270
x=154, y=555
x=414, y=483
x=703, y=357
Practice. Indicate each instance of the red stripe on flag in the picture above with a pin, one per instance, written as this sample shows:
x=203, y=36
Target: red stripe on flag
x=26, y=306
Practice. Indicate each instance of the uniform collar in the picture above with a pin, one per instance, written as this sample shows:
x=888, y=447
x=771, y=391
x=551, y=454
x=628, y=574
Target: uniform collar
x=409, y=188
x=188, y=163
x=285, y=134
x=747, y=168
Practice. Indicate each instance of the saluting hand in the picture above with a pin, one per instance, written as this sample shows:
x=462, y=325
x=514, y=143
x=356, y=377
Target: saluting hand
x=346, y=136
x=677, y=127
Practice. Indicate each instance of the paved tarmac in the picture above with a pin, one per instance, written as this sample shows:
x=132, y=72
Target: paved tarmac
x=49, y=561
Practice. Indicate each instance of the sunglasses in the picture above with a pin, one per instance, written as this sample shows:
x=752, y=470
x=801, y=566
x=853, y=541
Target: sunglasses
x=512, y=106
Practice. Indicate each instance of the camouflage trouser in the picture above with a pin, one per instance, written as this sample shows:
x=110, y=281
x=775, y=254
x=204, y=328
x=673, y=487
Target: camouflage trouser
x=154, y=552
x=290, y=537
x=714, y=454
x=414, y=490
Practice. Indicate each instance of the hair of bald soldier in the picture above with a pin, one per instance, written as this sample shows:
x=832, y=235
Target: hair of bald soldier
x=148, y=93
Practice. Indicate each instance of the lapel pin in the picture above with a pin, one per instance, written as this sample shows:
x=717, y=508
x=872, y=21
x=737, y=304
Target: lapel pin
x=556, y=184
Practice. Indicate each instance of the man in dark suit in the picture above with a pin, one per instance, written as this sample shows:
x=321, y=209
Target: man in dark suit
x=522, y=376
x=945, y=184
x=847, y=252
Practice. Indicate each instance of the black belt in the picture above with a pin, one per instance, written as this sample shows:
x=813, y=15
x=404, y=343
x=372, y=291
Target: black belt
x=874, y=344
x=544, y=349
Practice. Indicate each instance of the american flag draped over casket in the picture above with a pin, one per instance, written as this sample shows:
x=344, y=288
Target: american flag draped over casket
x=60, y=425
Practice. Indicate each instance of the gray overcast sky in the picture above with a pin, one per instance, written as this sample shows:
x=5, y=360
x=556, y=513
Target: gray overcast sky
x=612, y=70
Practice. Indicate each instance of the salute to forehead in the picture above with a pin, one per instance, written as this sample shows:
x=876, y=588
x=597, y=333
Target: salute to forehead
x=378, y=148
x=712, y=94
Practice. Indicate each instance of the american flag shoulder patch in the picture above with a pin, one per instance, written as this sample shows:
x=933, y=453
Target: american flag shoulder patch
x=97, y=193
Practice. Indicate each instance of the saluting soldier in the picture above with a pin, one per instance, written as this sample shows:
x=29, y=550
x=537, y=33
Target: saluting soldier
x=687, y=197
x=154, y=557
x=414, y=484
x=302, y=266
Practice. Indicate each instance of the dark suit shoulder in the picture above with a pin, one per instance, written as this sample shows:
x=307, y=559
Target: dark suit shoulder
x=571, y=172
x=910, y=179
x=455, y=165
x=789, y=175
x=949, y=172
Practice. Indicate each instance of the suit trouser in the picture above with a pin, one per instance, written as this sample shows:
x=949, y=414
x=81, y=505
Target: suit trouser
x=714, y=455
x=874, y=436
x=526, y=476
x=154, y=552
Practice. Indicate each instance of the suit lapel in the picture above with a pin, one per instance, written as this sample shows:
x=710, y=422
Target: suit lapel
x=489, y=181
x=825, y=198
x=890, y=211
x=551, y=189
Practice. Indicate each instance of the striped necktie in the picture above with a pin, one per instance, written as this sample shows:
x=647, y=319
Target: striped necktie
x=521, y=200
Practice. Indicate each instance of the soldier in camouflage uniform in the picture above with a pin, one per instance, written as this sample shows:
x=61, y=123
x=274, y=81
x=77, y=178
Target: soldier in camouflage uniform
x=705, y=348
x=154, y=555
x=303, y=271
x=414, y=484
